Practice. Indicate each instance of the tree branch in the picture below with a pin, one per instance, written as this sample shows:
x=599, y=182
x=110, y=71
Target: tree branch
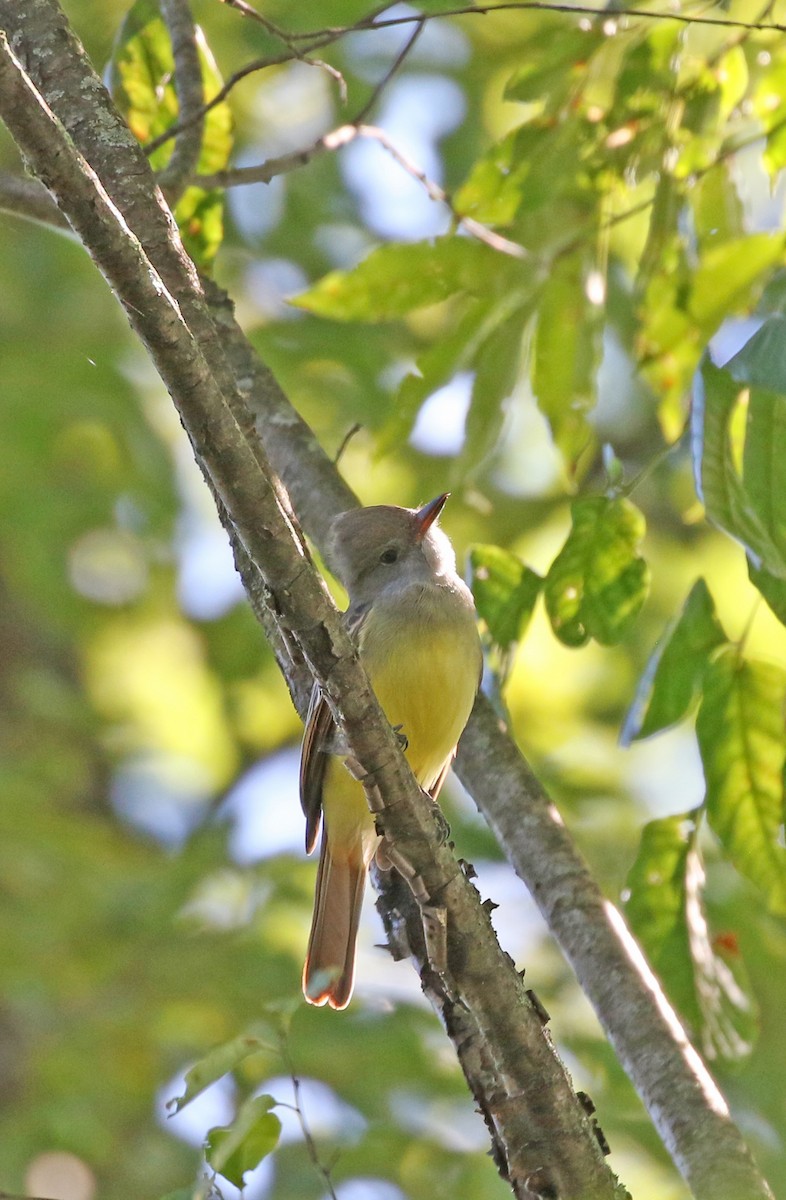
x=177, y=174
x=681, y=1097
x=73, y=140
x=28, y=198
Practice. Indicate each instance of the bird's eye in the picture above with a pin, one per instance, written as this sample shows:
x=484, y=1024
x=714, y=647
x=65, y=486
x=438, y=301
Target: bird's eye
x=389, y=556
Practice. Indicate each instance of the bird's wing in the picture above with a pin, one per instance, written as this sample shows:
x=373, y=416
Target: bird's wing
x=318, y=733
x=319, y=743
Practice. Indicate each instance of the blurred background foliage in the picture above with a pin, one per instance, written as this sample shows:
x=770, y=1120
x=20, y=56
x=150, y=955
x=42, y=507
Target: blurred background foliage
x=155, y=899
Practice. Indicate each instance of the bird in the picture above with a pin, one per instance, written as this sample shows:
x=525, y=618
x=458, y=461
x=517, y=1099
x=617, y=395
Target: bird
x=414, y=623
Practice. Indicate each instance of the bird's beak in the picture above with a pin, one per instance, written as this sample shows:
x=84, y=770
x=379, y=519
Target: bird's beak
x=427, y=515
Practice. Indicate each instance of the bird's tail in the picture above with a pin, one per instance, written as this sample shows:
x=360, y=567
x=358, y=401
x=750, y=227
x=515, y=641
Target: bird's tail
x=329, y=971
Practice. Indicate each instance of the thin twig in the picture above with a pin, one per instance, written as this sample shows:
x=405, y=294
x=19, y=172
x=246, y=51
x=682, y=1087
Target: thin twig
x=347, y=438
x=281, y=165
x=582, y=10
x=296, y=52
x=317, y=39
x=293, y=53
x=246, y=10
x=264, y=172
x=257, y=64
x=437, y=193
x=253, y=14
x=311, y=1147
x=386, y=78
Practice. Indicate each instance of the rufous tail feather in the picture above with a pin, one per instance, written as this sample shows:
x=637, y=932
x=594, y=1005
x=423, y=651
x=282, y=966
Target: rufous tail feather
x=329, y=972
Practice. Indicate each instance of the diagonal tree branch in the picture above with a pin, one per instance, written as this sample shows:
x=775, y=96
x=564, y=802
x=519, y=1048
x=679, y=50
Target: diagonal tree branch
x=681, y=1096
x=540, y=1133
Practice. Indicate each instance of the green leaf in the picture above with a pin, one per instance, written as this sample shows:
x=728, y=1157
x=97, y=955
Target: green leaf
x=497, y=364
x=762, y=360
x=761, y=363
x=240, y=1147
x=598, y=582
x=530, y=173
x=729, y=503
x=764, y=462
x=505, y=592
x=771, y=588
x=395, y=279
x=141, y=80
x=717, y=208
x=672, y=678
x=566, y=350
x=489, y=328
x=222, y=1059
x=665, y=909
x=494, y=189
x=555, y=64
x=741, y=736
x=727, y=275
x=435, y=367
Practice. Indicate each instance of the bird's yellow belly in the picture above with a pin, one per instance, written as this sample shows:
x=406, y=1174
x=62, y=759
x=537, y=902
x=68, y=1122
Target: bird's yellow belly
x=426, y=683
x=424, y=671
x=429, y=691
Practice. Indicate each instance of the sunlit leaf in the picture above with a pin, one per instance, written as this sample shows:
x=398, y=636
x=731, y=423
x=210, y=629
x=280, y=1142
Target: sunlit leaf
x=742, y=740
x=396, y=279
x=222, y=1059
x=727, y=276
x=672, y=678
x=566, y=355
x=437, y=365
x=141, y=79
x=665, y=908
x=554, y=65
x=495, y=186
x=717, y=208
x=598, y=581
x=762, y=360
x=497, y=363
x=726, y=498
x=487, y=338
x=527, y=176
x=772, y=589
x=764, y=461
x=505, y=592
x=234, y=1150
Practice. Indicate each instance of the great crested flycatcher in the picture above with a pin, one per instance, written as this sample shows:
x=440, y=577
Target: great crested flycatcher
x=414, y=623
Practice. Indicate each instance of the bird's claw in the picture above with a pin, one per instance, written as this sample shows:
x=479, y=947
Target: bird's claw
x=401, y=737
